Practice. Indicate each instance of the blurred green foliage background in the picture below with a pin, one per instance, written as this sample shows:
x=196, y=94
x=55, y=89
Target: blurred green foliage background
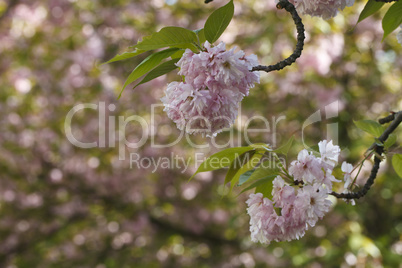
x=64, y=206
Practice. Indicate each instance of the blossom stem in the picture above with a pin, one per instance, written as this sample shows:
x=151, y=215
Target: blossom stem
x=198, y=45
x=289, y=7
x=360, y=168
x=378, y=150
x=283, y=169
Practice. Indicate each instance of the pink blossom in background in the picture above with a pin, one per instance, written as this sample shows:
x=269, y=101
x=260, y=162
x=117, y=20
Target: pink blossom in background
x=215, y=82
x=321, y=8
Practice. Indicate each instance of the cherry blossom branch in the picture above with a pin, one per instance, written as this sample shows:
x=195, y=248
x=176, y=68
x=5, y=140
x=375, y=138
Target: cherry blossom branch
x=387, y=119
x=395, y=119
x=289, y=7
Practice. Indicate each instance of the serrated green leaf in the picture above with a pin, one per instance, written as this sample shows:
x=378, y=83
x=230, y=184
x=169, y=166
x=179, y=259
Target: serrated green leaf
x=390, y=141
x=284, y=149
x=372, y=127
x=266, y=180
x=125, y=55
x=224, y=159
x=392, y=19
x=147, y=65
x=167, y=37
x=397, y=164
x=162, y=69
x=369, y=9
x=218, y=21
x=237, y=164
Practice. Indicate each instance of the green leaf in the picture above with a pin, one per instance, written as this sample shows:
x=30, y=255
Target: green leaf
x=397, y=164
x=147, y=65
x=167, y=37
x=221, y=159
x=245, y=176
x=254, y=160
x=369, y=9
x=266, y=168
x=392, y=19
x=369, y=126
x=390, y=141
x=162, y=69
x=218, y=21
x=284, y=149
x=266, y=190
x=190, y=46
x=237, y=164
x=178, y=54
x=125, y=55
x=201, y=35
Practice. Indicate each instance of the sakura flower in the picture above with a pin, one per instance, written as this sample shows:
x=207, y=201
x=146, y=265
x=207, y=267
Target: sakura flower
x=295, y=219
x=329, y=153
x=307, y=167
x=313, y=201
x=347, y=169
x=260, y=210
x=295, y=207
x=216, y=81
x=327, y=180
x=321, y=8
x=282, y=194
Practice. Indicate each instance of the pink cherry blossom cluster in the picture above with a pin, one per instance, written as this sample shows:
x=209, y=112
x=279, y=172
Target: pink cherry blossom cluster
x=297, y=205
x=321, y=8
x=215, y=82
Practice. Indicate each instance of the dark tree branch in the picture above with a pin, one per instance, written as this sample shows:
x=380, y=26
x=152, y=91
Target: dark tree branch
x=387, y=119
x=396, y=119
x=284, y=4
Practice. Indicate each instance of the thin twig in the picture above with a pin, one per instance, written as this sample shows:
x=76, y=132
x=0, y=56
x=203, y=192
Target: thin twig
x=379, y=149
x=289, y=7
